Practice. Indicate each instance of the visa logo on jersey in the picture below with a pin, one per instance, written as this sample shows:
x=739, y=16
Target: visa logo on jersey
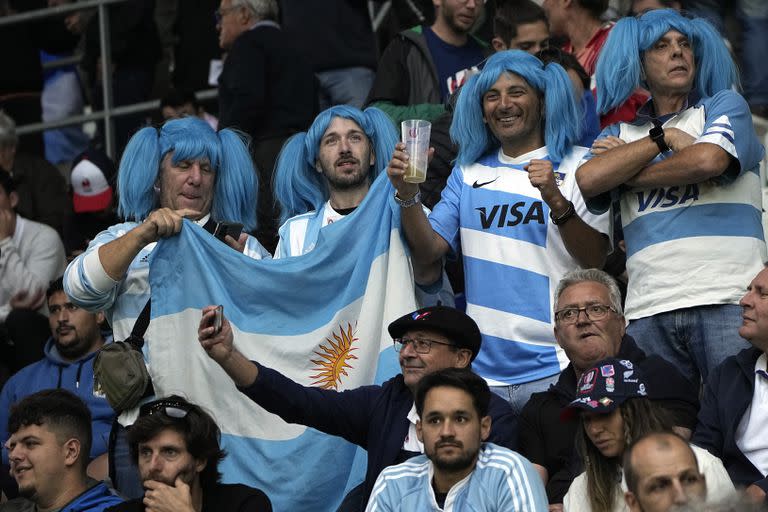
x=667, y=197
x=511, y=214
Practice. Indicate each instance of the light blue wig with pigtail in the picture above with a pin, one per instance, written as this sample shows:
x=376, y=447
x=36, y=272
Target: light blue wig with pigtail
x=560, y=105
x=190, y=138
x=620, y=65
x=298, y=186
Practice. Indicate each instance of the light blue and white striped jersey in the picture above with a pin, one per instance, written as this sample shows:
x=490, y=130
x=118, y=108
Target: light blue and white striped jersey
x=502, y=481
x=698, y=244
x=513, y=259
x=89, y=286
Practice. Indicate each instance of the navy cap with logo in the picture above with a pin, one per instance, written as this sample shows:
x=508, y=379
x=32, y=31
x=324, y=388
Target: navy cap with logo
x=607, y=385
x=455, y=325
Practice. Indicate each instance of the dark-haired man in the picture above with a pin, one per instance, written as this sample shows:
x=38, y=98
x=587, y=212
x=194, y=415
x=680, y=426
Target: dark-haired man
x=176, y=446
x=458, y=468
x=48, y=450
x=68, y=364
x=520, y=25
x=381, y=419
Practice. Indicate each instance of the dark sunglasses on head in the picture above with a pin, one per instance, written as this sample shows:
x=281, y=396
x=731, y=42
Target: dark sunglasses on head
x=171, y=408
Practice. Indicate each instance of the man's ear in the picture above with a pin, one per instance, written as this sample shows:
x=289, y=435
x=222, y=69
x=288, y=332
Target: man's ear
x=71, y=449
x=373, y=156
x=100, y=317
x=498, y=44
x=318, y=167
x=419, y=433
x=463, y=357
x=485, y=427
x=13, y=197
x=200, y=465
x=631, y=500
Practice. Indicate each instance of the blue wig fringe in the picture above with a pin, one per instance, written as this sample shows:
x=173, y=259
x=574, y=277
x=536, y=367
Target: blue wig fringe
x=299, y=188
x=562, y=108
x=619, y=67
x=189, y=138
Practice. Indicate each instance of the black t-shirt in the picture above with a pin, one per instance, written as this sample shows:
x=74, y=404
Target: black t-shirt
x=223, y=498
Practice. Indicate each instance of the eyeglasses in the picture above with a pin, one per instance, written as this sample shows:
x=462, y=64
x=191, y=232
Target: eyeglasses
x=420, y=345
x=593, y=312
x=219, y=13
x=171, y=408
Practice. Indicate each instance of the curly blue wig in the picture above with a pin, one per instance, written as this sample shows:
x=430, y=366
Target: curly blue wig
x=189, y=138
x=620, y=65
x=562, y=109
x=299, y=188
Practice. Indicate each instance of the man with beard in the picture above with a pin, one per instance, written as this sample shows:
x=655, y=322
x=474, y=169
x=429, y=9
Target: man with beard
x=68, y=364
x=458, y=469
x=48, y=449
x=176, y=446
x=324, y=174
x=424, y=65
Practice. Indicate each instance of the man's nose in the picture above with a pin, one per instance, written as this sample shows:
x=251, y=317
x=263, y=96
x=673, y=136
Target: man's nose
x=680, y=497
x=447, y=430
x=195, y=173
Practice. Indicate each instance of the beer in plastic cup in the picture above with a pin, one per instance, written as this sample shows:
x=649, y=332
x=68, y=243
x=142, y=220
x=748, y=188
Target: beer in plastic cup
x=415, y=133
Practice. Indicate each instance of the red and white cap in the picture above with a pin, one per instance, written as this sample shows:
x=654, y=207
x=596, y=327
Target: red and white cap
x=91, y=189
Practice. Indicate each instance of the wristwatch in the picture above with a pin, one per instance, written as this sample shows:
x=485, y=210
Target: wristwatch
x=657, y=136
x=407, y=203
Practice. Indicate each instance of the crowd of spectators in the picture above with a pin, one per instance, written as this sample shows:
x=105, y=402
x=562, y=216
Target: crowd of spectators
x=587, y=252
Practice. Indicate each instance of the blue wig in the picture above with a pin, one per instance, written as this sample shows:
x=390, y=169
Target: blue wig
x=561, y=107
x=299, y=188
x=189, y=138
x=619, y=67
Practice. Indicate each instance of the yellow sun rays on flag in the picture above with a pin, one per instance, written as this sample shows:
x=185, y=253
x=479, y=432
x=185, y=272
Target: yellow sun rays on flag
x=334, y=358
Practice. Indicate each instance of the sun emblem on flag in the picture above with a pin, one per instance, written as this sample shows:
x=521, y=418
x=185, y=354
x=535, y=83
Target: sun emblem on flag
x=334, y=358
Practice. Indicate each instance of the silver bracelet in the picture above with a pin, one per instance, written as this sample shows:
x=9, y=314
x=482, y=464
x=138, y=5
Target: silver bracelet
x=407, y=203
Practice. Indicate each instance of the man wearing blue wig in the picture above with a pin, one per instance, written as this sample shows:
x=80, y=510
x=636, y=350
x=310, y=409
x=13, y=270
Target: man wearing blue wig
x=512, y=206
x=324, y=174
x=182, y=169
x=685, y=173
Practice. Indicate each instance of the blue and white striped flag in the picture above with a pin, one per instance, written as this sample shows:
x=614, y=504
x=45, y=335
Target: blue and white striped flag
x=320, y=319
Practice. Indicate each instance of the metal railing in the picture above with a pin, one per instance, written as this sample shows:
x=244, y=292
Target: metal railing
x=109, y=111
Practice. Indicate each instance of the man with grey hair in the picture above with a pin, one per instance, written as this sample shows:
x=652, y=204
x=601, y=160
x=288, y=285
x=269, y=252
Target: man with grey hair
x=40, y=187
x=266, y=89
x=589, y=326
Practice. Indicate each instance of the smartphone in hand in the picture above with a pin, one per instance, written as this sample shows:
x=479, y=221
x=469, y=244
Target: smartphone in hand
x=218, y=313
x=232, y=229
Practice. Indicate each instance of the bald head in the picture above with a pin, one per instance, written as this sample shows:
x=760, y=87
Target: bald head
x=661, y=472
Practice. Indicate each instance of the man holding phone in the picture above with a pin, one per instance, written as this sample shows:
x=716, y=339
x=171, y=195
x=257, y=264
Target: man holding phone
x=182, y=169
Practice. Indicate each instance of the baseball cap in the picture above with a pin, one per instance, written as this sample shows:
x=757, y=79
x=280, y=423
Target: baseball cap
x=455, y=325
x=93, y=174
x=605, y=386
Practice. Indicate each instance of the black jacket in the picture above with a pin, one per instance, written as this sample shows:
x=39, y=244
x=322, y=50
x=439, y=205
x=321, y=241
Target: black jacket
x=549, y=442
x=374, y=417
x=266, y=88
x=223, y=498
x=727, y=394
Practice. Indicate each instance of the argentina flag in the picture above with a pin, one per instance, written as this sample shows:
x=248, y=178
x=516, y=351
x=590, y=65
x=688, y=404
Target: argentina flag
x=319, y=318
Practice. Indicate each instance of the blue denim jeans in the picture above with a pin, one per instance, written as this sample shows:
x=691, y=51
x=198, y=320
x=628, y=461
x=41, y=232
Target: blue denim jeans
x=753, y=16
x=518, y=394
x=695, y=340
x=346, y=86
